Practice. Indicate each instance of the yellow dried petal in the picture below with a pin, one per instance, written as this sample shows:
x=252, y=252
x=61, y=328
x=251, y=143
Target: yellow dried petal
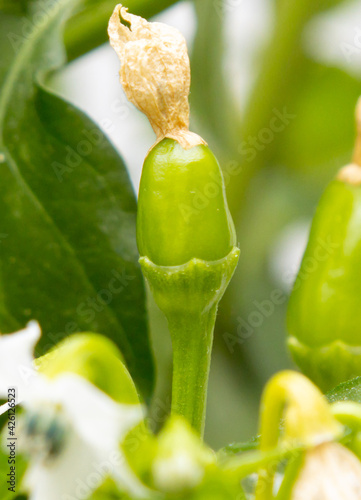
x=155, y=73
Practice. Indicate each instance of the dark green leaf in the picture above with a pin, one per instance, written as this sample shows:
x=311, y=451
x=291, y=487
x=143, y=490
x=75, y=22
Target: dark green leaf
x=68, y=255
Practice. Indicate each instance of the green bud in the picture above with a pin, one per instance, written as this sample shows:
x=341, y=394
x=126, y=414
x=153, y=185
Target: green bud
x=95, y=358
x=181, y=459
x=323, y=315
x=182, y=211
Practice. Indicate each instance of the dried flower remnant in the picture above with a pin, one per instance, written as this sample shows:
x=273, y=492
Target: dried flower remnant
x=155, y=73
x=187, y=260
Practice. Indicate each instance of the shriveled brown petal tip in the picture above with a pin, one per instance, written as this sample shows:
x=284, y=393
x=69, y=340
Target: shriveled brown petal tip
x=155, y=73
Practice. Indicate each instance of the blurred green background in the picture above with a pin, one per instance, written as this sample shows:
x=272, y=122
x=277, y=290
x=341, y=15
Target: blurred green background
x=274, y=86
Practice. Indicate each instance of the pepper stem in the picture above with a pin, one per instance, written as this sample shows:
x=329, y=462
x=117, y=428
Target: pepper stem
x=188, y=295
x=192, y=339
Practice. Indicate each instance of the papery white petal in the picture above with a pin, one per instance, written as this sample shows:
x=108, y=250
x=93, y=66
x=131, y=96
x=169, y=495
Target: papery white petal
x=98, y=422
x=97, y=418
x=73, y=475
x=330, y=472
x=17, y=358
x=4, y=408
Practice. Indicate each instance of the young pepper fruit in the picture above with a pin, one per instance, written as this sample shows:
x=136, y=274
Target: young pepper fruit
x=176, y=220
x=324, y=309
x=185, y=233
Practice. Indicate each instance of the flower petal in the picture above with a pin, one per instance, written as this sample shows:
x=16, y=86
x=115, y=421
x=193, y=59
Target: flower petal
x=16, y=360
x=72, y=475
x=98, y=424
x=97, y=417
x=330, y=472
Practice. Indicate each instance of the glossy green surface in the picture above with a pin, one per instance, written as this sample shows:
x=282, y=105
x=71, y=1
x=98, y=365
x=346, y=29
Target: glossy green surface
x=182, y=207
x=325, y=304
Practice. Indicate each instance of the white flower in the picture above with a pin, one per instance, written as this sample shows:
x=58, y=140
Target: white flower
x=70, y=430
x=76, y=444
x=330, y=472
x=16, y=361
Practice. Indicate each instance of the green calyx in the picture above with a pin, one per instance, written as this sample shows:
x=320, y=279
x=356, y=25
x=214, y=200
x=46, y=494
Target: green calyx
x=323, y=314
x=182, y=209
x=188, y=295
x=191, y=288
x=327, y=365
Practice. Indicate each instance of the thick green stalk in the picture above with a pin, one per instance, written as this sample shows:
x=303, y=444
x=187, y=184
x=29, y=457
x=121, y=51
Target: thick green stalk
x=192, y=338
x=188, y=295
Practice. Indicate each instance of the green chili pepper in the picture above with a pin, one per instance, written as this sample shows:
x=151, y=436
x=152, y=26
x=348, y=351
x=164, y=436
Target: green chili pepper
x=185, y=233
x=182, y=209
x=324, y=311
x=188, y=256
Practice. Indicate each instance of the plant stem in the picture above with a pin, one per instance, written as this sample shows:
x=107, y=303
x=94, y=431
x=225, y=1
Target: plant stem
x=192, y=338
x=188, y=295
